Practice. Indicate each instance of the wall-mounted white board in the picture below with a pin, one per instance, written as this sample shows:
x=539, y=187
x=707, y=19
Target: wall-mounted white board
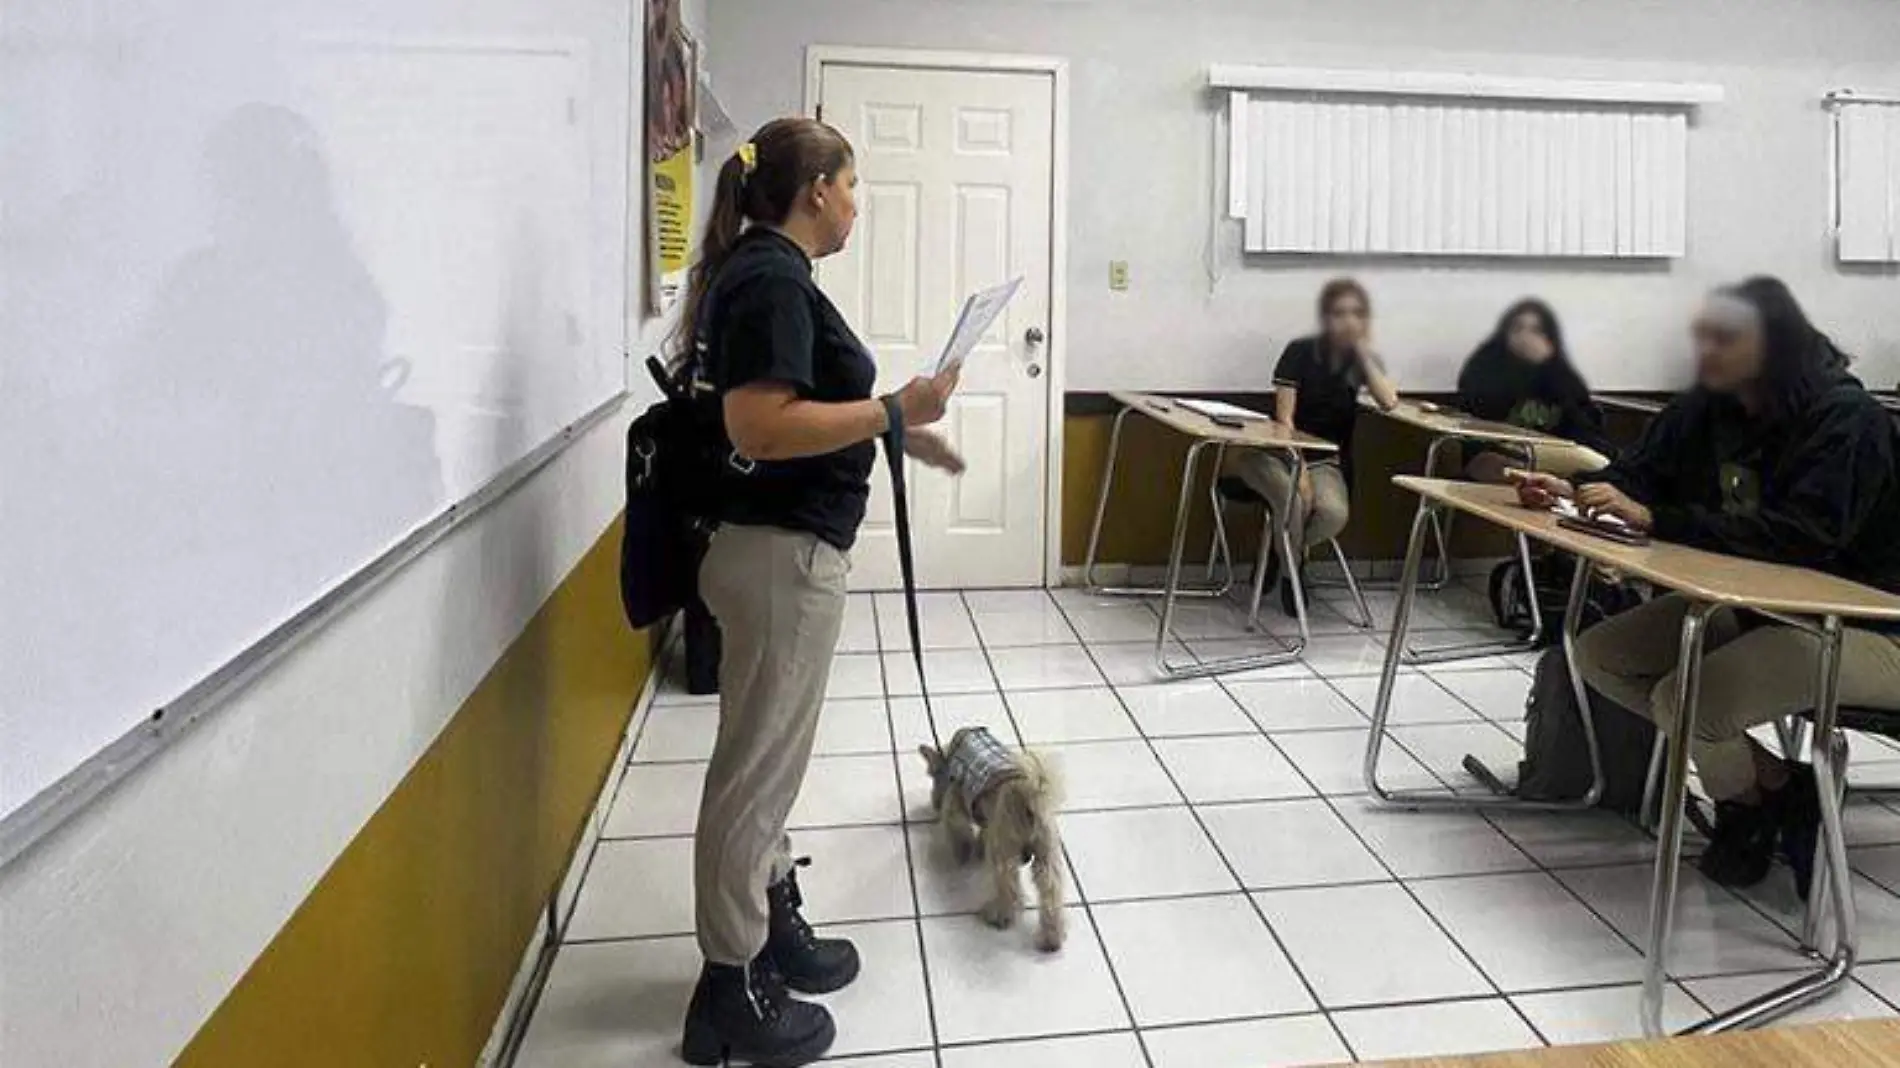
x=280, y=284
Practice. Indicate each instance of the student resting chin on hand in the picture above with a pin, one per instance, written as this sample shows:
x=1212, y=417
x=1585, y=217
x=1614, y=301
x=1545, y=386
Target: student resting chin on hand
x=1316, y=391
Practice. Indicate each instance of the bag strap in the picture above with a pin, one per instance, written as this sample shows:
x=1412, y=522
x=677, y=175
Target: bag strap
x=906, y=560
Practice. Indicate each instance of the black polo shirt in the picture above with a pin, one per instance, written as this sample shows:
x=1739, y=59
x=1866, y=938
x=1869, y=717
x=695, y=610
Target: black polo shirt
x=767, y=321
x=1328, y=385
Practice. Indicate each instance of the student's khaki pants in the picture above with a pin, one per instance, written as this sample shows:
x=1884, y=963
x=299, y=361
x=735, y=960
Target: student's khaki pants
x=1563, y=460
x=779, y=597
x=1569, y=459
x=1271, y=475
x=1748, y=678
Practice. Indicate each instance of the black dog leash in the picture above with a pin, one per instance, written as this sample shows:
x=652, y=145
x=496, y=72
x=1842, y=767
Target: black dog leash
x=906, y=561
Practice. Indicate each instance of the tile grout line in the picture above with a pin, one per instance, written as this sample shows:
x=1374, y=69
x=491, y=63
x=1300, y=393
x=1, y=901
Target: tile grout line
x=1331, y=682
x=903, y=818
x=1232, y=872
x=1410, y=894
x=1502, y=833
x=1068, y=861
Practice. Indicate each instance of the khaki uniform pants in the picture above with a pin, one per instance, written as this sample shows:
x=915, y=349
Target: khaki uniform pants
x=779, y=597
x=1270, y=475
x=1748, y=679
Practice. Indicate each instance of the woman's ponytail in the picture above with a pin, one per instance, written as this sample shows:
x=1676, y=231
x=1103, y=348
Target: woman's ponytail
x=757, y=184
x=722, y=232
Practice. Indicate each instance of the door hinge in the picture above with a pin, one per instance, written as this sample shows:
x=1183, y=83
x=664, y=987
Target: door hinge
x=821, y=113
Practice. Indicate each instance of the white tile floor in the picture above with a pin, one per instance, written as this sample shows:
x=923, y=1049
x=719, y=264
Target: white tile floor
x=1237, y=902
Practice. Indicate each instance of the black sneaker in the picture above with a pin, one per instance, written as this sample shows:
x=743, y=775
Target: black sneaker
x=1797, y=808
x=1287, y=603
x=743, y=1015
x=1742, y=850
x=810, y=965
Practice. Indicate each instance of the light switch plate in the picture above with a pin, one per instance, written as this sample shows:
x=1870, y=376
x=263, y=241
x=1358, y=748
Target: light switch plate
x=1118, y=275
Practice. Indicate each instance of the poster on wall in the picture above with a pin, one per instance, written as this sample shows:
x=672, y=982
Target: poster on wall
x=672, y=86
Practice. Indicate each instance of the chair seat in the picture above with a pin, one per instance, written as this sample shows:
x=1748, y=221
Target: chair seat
x=1234, y=488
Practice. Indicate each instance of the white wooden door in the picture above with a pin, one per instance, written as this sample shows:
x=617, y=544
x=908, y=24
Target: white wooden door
x=956, y=171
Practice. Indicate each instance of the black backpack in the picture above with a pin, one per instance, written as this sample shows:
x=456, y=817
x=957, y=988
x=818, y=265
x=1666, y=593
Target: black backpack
x=678, y=464
x=1549, y=582
x=1556, y=765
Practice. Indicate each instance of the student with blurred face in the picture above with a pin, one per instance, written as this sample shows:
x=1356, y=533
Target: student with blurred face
x=1316, y=391
x=1522, y=375
x=1777, y=454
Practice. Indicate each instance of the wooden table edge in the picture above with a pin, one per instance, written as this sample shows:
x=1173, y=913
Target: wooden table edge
x=1193, y=424
x=1849, y=600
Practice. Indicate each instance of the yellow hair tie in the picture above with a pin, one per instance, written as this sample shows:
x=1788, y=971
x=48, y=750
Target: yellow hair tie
x=749, y=155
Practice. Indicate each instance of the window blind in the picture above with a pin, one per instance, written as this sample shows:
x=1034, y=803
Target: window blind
x=1867, y=178
x=1458, y=168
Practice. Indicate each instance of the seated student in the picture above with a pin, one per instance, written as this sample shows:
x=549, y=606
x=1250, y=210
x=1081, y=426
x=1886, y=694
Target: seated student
x=1316, y=385
x=1777, y=454
x=1522, y=375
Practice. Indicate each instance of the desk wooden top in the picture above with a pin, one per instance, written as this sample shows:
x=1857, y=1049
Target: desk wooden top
x=1870, y=1044
x=1262, y=433
x=1706, y=576
x=1450, y=423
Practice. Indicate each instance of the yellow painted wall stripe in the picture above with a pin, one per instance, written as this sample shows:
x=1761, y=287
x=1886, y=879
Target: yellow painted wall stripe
x=404, y=952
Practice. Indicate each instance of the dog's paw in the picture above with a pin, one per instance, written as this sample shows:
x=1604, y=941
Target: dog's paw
x=1050, y=934
x=1001, y=917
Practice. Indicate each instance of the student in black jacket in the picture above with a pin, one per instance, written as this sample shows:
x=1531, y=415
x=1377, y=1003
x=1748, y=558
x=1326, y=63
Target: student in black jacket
x=1522, y=375
x=1777, y=454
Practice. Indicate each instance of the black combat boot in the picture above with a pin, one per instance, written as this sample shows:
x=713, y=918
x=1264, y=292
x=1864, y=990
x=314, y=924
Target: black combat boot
x=810, y=965
x=744, y=1016
x=1797, y=808
x=1287, y=602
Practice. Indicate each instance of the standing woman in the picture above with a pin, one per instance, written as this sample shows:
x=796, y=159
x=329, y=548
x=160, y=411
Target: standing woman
x=1777, y=454
x=1316, y=391
x=794, y=389
x=1523, y=376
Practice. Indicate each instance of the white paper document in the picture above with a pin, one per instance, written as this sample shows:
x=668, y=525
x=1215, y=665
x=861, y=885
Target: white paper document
x=979, y=311
x=1214, y=409
x=1568, y=509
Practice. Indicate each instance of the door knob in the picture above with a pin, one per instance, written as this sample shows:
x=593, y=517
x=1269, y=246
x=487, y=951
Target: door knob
x=1035, y=336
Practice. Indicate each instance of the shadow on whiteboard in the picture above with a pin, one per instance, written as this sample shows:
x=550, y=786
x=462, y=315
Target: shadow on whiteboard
x=269, y=308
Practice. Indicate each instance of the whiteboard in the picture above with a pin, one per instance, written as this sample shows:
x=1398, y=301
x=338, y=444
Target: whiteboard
x=275, y=292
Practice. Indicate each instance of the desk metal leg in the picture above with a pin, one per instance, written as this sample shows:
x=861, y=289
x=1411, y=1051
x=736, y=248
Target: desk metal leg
x=1292, y=556
x=1467, y=650
x=1441, y=537
x=1834, y=751
x=1441, y=522
x=1288, y=651
x=1364, y=620
x=1662, y=896
x=1089, y=579
x=1840, y=888
x=1388, y=680
x=1840, y=964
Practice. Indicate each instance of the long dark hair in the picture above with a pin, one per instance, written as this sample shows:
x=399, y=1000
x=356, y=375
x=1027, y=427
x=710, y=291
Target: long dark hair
x=1799, y=362
x=1497, y=347
x=757, y=184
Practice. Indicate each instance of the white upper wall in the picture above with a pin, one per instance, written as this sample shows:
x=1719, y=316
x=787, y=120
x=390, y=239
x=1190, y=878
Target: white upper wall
x=1145, y=154
x=122, y=931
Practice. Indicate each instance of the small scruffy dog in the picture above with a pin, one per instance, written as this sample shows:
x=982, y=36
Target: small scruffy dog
x=1001, y=806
